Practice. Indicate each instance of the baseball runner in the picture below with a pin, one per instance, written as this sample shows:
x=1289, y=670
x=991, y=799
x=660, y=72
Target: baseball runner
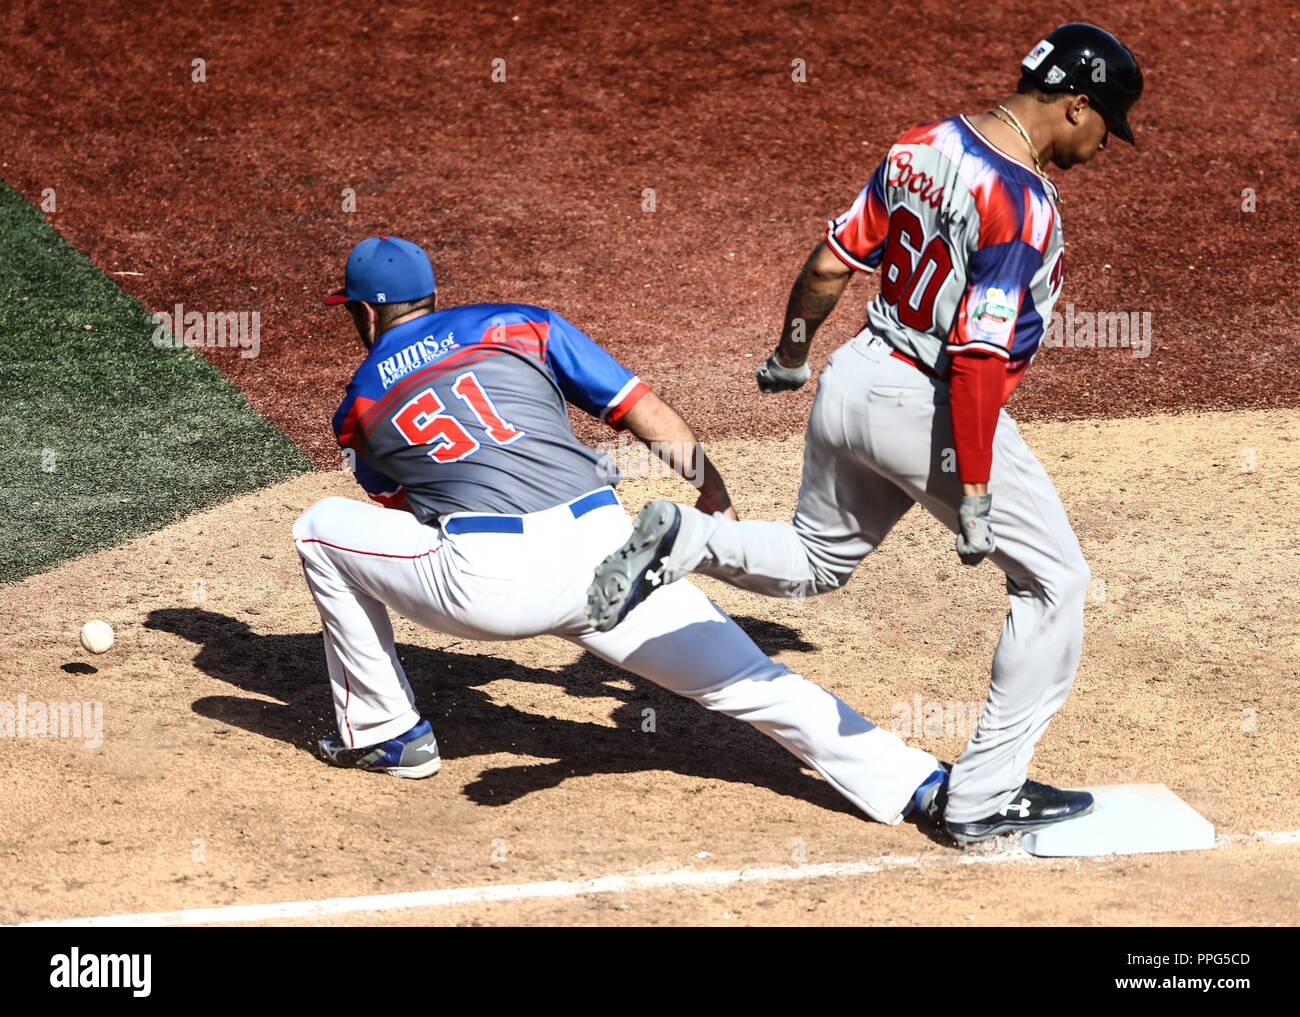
x=964, y=227
x=491, y=516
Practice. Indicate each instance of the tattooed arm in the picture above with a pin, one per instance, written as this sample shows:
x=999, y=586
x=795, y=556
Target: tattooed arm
x=812, y=299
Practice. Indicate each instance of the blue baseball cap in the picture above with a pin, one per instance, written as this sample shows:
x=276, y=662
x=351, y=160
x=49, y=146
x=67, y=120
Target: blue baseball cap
x=386, y=270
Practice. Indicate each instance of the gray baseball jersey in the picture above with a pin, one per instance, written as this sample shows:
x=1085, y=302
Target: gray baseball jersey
x=968, y=243
x=464, y=410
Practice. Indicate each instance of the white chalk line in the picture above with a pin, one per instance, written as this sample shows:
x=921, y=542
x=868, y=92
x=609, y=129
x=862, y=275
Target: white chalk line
x=674, y=879
x=1278, y=837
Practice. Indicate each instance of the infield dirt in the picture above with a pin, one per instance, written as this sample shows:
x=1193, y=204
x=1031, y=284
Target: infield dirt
x=205, y=793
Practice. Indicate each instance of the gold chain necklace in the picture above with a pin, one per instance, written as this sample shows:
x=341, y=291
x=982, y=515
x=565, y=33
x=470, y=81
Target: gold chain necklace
x=1014, y=123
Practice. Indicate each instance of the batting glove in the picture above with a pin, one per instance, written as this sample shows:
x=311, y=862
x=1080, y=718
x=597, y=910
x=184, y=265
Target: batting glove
x=975, y=536
x=775, y=377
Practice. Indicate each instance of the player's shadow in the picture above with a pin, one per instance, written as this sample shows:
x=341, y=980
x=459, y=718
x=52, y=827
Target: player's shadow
x=652, y=729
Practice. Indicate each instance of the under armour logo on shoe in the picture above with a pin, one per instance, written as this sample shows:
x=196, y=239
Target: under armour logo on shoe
x=1022, y=808
x=655, y=577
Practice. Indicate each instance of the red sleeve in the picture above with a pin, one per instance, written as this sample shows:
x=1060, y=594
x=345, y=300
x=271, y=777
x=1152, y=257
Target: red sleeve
x=857, y=237
x=624, y=401
x=975, y=389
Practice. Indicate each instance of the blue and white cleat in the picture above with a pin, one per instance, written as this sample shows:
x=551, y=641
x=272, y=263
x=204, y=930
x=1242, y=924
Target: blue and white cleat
x=413, y=755
x=929, y=799
x=635, y=570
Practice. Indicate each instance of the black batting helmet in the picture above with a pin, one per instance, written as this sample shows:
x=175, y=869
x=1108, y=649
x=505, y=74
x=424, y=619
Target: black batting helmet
x=1087, y=60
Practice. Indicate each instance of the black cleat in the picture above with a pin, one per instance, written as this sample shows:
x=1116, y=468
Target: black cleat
x=634, y=571
x=1033, y=806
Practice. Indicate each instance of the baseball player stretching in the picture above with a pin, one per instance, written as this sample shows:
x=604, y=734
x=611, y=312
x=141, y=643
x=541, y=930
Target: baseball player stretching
x=964, y=227
x=492, y=516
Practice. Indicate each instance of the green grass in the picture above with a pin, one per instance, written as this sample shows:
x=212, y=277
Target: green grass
x=102, y=435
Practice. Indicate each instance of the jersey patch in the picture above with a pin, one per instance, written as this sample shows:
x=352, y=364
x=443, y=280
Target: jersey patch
x=995, y=311
x=411, y=358
x=1037, y=55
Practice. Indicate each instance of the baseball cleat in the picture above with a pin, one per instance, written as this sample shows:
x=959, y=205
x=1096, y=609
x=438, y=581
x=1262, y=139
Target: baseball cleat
x=635, y=570
x=413, y=754
x=929, y=799
x=1034, y=805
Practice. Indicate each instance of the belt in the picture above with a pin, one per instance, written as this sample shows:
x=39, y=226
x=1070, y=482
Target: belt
x=915, y=363
x=515, y=524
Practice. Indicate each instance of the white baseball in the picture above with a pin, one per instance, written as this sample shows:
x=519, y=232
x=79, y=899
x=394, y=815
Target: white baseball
x=97, y=636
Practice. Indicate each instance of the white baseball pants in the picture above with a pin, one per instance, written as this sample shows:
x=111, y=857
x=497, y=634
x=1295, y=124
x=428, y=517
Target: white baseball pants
x=361, y=560
x=878, y=441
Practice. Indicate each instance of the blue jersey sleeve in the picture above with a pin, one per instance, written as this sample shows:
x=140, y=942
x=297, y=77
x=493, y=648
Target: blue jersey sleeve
x=997, y=312
x=993, y=312
x=589, y=377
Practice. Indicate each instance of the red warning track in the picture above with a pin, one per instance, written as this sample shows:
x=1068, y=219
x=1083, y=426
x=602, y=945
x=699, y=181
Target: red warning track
x=658, y=178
